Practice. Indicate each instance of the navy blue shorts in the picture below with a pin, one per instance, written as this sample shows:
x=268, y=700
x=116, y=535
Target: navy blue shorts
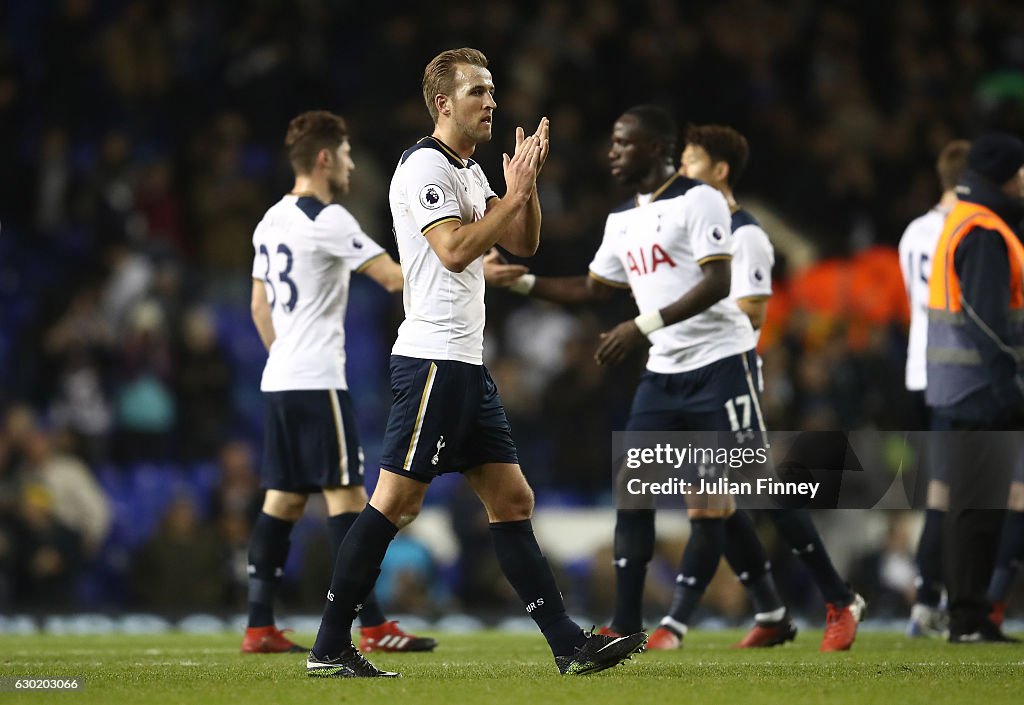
x=446, y=416
x=311, y=441
x=723, y=396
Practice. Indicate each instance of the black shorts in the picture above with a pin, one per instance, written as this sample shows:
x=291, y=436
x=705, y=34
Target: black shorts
x=723, y=396
x=311, y=441
x=446, y=416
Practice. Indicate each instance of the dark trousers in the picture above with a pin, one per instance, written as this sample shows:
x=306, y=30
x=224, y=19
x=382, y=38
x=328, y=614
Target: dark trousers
x=980, y=461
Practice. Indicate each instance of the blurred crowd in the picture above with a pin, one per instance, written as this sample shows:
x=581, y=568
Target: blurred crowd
x=140, y=144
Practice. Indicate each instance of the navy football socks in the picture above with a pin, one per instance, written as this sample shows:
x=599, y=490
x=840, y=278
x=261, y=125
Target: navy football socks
x=338, y=525
x=634, y=548
x=1010, y=557
x=748, y=560
x=268, y=551
x=929, y=559
x=700, y=561
x=798, y=530
x=356, y=568
x=529, y=573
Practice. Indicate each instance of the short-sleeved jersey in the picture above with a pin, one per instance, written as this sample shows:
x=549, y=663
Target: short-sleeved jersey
x=752, y=259
x=444, y=310
x=657, y=249
x=305, y=252
x=917, y=246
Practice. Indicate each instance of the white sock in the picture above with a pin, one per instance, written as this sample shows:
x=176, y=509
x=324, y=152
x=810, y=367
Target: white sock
x=773, y=616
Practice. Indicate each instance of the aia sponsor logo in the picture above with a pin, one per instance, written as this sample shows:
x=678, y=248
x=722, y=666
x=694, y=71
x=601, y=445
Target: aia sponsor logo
x=647, y=262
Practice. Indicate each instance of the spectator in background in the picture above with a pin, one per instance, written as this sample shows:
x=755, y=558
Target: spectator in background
x=78, y=348
x=239, y=489
x=145, y=407
x=74, y=497
x=182, y=566
x=47, y=554
x=203, y=387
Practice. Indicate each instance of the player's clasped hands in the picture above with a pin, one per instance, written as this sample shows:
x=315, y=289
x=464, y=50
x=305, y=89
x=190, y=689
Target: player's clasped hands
x=523, y=167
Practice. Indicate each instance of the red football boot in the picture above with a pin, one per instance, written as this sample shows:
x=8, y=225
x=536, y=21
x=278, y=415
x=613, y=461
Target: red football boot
x=664, y=639
x=390, y=638
x=765, y=634
x=268, y=640
x=841, y=624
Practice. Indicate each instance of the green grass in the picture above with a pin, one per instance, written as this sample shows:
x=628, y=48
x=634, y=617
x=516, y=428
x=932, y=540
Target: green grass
x=497, y=668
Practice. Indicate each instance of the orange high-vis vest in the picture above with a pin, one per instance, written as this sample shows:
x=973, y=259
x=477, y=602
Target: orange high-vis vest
x=954, y=364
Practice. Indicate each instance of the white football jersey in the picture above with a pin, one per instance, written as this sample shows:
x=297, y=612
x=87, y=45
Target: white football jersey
x=752, y=259
x=917, y=246
x=656, y=249
x=444, y=310
x=305, y=253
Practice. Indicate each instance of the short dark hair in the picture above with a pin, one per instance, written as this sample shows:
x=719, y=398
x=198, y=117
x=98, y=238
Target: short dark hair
x=658, y=123
x=723, y=144
x=439, y=75
x=951, y=163
x=310, y=132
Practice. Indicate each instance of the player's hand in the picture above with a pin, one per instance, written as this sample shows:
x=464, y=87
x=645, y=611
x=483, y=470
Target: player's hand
x=542, y=135
x=521, y=168
x=617, y=343
x=498, y=272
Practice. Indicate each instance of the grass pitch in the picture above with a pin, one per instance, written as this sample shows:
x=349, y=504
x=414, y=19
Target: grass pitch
x=497, y=668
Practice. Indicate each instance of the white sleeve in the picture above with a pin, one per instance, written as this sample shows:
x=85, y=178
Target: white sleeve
x=339, y=234
x=260, y=261
x=430, y=189
x=706, y=217
x=607, y=267
x=488, y=191
x=752, y=263
x=904, y=255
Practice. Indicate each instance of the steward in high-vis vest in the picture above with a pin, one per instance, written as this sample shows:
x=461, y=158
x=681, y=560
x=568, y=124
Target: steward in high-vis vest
x=976, y=302
x=975, y=386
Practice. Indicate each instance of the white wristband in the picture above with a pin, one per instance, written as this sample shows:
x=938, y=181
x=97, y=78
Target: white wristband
x=649, y=322
x=524, y=284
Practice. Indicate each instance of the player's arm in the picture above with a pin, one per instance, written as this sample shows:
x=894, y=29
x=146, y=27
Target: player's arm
x=457, y=244
x=565, y=290
x=755, y=308
x=617, y=343
x=385, y=271
x=260, y=308
x=559, y=290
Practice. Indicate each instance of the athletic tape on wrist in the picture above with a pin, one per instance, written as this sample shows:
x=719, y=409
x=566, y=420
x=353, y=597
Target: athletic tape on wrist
x=649, y=322
x=524, y=284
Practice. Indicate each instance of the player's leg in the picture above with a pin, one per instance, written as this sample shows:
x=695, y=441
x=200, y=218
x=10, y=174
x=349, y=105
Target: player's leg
x=927, y=618
x=634, y=528
x=844, y=608
x=498, y=481
x=699, y=563
x=721, y=397
x=748, y=560
x=508, y=500
x=288, y=415
x=395, y=503
x=427, y=399
x=268, y=551
x=344, y=503
x=1010, y=558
